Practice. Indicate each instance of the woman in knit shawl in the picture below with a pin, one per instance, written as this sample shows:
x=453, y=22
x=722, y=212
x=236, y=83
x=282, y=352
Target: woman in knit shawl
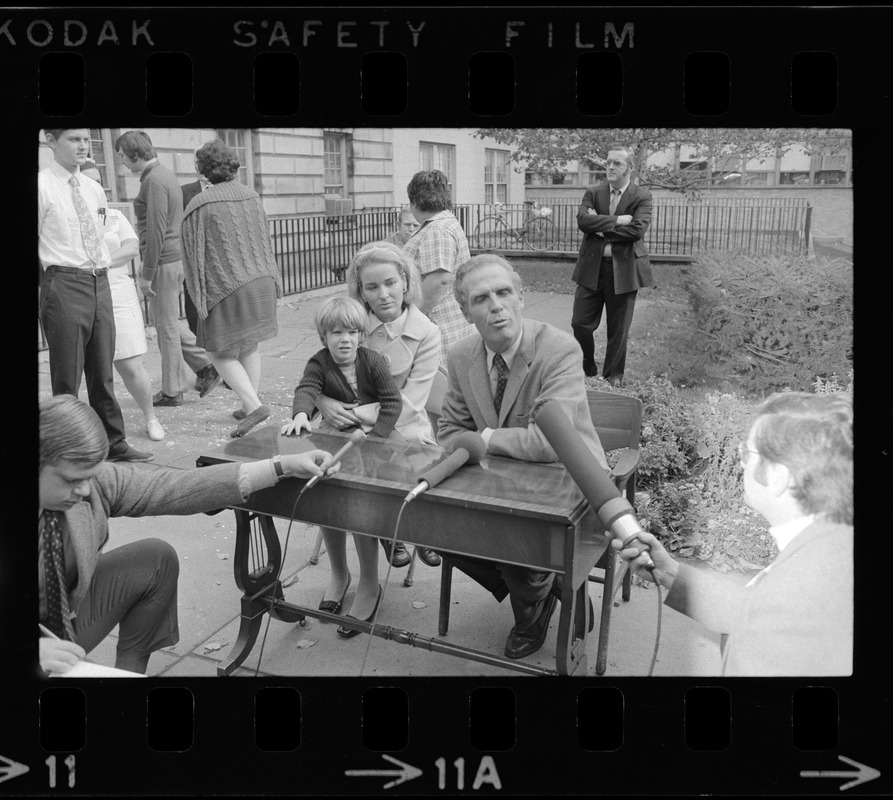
x=232, y=277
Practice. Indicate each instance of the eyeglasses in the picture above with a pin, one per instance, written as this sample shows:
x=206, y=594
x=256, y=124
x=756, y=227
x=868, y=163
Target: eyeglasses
x=743, y=453
x=615, y=163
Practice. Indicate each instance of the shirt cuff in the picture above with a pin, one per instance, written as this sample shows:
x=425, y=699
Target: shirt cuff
x=254, y=475
x=486, y=433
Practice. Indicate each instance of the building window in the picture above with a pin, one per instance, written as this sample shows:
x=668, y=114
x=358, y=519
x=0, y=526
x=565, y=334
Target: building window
x=335, y=165
x=794, y=178
x=237, y=138
x=593, y=173
x=830, y=169
x=438, y=156
x=496, y=168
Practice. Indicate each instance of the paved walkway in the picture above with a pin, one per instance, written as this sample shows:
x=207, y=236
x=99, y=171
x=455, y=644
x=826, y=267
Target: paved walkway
x=209, y=599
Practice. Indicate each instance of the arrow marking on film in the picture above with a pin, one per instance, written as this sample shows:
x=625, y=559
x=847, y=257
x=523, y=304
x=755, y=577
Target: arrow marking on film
x=863, y=773
x=406, y=772
x=11, y=769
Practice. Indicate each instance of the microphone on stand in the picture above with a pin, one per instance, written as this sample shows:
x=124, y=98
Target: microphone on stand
x=614, y=511
x=469, y=448
x=356, y=437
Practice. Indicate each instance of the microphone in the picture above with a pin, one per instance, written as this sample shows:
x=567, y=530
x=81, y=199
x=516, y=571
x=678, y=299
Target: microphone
x=356, y=437
x=469, y=448
x=614, y=511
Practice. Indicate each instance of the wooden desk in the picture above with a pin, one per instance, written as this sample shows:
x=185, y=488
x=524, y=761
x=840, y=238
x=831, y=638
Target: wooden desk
x=501, y=509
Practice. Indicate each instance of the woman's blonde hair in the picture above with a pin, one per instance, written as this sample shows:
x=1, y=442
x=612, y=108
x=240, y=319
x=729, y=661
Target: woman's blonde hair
x=384, y=253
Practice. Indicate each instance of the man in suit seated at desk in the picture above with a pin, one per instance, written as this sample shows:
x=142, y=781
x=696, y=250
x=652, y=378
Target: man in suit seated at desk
x=495, y=379
x=85, y=592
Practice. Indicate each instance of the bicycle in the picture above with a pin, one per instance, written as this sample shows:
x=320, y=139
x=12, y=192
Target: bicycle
x=537, y=233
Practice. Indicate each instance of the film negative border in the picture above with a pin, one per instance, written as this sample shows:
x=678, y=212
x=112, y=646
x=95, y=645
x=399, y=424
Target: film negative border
x=679, y=66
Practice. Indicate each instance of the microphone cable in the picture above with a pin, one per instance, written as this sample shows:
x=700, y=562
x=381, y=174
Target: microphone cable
x=660, y=603
x=387, y=576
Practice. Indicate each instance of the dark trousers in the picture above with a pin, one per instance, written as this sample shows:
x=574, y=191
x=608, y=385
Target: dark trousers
x=134, y=586
x=79, y=325
x=526, y=586
x=587, y=315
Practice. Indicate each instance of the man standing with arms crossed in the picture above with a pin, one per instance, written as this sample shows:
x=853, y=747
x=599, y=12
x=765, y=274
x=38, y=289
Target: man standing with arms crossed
x=613, y=263
x=75, y=298
x=159, y=214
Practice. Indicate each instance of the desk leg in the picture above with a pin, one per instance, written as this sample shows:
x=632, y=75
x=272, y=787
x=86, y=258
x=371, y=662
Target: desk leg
x=256, y=563
x=570, y=646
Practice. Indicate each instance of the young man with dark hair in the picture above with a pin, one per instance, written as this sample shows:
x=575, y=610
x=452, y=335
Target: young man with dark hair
x=159, y=214
x=75, y=298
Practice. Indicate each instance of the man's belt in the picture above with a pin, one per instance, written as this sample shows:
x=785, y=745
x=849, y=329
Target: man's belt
x=96, y=272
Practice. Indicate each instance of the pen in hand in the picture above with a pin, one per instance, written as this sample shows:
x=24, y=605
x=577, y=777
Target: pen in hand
x=46, y=631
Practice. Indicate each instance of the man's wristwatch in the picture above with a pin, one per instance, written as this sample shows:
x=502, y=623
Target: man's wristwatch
x=277, y=465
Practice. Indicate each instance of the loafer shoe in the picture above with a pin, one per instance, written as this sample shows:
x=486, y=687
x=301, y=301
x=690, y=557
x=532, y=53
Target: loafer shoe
x=254, y=418
x=154, y=429
x=400, y=556
x=162, y=399
x=121, y=451
x=210, y=380
x=429, y=557
x=526, y=638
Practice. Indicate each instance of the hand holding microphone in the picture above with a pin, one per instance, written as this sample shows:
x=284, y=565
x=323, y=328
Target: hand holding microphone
x=469, y=448
x=614, y=511
x=355, y=438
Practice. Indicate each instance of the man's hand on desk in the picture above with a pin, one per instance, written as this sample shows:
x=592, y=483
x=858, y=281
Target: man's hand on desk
x=307, y=465
x=58, y=655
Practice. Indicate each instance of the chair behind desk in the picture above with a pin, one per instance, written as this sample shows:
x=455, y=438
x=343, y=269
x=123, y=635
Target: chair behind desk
x=618, y=422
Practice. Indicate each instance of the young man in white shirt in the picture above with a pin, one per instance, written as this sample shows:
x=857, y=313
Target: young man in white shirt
x=75, y=298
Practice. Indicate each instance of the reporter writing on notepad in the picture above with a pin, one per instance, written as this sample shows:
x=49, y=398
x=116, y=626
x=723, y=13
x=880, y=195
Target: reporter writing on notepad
x=84, y=591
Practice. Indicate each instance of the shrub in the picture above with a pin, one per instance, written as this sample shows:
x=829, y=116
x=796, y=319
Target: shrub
x=772, y=321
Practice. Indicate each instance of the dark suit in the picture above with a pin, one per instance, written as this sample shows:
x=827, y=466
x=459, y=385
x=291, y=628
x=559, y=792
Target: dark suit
x=610, y=284
x=190, y=190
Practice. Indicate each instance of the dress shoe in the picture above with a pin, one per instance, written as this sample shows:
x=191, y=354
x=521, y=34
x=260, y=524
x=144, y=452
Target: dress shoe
x=590, y=370
x=429, y=557
x=154, y=429
x=254, y=418
x=400, y=556
x=162, y=399
x=209, y=379
x=349, y=633
x=578, y=615
x=334, y=606
x=528, y=637
x=121, y=451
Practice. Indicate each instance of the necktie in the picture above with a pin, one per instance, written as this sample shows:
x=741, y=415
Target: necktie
x=58, y=612
x=615, y=198
x=502, y=376
x=89, y=234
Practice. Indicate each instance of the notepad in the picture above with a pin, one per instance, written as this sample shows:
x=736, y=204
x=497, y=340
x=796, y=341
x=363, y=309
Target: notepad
x=84, y=669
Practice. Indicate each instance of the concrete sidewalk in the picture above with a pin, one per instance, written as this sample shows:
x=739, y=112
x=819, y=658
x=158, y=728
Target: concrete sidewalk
x=209, y=599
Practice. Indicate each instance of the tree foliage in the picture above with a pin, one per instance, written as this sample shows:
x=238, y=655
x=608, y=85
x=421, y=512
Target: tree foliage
x=548, y=150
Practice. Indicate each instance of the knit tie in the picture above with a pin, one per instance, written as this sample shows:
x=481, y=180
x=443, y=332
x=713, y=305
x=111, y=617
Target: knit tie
x=89, y=234
x=502, y=376
x=58, y=612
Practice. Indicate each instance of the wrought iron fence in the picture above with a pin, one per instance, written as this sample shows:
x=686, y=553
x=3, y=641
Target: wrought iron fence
x=679, y=225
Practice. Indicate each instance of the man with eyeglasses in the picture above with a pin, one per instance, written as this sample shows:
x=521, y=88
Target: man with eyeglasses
x=796, y=616
x=613, y=263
